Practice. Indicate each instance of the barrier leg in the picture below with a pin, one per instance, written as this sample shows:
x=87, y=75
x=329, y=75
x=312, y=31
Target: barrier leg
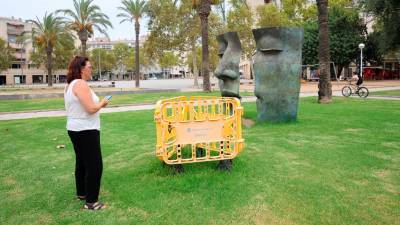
x=225, y=165
x=178, y=168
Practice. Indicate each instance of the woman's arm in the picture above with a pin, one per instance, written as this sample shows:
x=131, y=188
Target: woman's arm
x=82, y=91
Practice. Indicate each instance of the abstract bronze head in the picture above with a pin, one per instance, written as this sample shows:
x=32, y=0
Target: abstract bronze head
x=277, y=68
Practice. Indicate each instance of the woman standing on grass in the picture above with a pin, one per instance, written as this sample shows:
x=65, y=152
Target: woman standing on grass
x=83, y=125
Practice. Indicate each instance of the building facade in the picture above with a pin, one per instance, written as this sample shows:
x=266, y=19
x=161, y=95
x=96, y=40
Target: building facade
x=22, y=70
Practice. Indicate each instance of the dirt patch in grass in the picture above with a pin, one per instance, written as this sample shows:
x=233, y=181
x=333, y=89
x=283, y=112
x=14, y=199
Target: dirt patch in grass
x=247, y=122
x=9, y=180
x=381, y=174
x=258, y=214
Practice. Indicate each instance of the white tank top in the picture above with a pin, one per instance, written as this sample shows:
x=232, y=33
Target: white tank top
x=77, y=117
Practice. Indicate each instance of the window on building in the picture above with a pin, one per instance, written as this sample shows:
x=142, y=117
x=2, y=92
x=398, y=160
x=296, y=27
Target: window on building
x=15, y=66
x=19, y=50
x=32, y=66
x=12, y=38
x=37, y=79
x=19, y=79
x=62, y=78
x=3, y=80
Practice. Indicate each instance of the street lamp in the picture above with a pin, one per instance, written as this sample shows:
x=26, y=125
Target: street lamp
x=99, y=65
x=361, y=46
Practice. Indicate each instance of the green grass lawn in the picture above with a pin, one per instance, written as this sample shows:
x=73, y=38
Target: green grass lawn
x=118, y=99
x=387, y=93
x=338, y=164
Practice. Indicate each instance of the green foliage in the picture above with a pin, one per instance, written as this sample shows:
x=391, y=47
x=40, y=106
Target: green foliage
x=50, y=36
x=132, y=10
x=310, y=45
x=5, y=56
x=167, y=33
x=270, y=16
x=62, y=54
x=169, y=59
x=346, y=31
x=190, y=58
x=121, y=53
x=215, y=26
x=240, y=19
x=107, y=59
x=387, y=14
x=129, y=61
x=372, y=52
x=85, y=17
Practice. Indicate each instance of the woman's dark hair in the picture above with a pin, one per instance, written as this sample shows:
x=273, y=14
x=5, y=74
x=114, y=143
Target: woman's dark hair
x=75, y=67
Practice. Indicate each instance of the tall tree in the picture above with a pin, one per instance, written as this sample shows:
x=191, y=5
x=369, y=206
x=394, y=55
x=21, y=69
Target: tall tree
x=324, y=85
x=190, y=30
x=270, y=16
x=84, y=18
x=387, y=13
x=133, y=11
x=241, y=20
x=164, y=29
x=62, y=54
x=5, y=55
x=179, y=33
x=121, y=53
x=102, y=61
x=346, y=32
x=47, y=34
x=204, y=8
x=129, y=62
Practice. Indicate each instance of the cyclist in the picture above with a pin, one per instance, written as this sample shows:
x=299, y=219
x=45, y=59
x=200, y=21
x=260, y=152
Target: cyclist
x=357, y=78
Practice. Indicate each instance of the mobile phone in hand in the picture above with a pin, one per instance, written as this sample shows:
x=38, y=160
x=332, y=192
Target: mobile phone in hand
x=108, y=97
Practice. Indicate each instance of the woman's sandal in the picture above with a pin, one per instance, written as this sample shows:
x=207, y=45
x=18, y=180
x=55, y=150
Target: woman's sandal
x=94, y=206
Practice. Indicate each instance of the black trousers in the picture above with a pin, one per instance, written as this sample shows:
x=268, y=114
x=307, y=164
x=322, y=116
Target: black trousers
x=88, y=163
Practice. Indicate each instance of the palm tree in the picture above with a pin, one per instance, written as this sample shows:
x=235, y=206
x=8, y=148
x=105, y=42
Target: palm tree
x=133, y=11
x=47, y=34
x=324, y=85
x=84, y=18
x=204, y=9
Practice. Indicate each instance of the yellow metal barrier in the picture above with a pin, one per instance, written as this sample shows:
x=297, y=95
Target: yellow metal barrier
x=209, y=124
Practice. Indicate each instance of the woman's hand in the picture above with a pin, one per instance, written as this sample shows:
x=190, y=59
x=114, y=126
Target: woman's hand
x=104, y=103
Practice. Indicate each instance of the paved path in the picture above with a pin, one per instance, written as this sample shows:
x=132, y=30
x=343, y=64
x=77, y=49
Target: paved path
x=59, y=113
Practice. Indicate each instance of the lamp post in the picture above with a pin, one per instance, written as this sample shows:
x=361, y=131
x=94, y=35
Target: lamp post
x=99, y=65
x=361, y=46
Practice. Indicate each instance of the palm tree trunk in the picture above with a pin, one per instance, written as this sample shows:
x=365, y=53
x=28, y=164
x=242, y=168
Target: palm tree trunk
x=204, y=12
x=194, y=61
x=324, y=85
x=49, y=52
x=83, y=37
x=137, y=69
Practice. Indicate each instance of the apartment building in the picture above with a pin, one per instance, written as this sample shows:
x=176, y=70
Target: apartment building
x=107, y=44
x=22, y=70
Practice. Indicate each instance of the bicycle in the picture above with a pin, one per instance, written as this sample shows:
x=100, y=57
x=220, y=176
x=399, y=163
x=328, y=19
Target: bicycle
x=353, y=89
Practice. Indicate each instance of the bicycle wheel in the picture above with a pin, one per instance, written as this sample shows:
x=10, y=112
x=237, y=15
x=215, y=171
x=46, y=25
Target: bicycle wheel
x=346, y=91
x=363, y=92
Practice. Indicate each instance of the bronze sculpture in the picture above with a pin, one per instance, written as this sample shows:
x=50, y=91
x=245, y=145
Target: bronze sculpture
x=277, y=68
x=227, y=70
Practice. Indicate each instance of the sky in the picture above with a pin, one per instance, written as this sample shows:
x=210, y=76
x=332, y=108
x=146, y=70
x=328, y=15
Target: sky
x=30, y=9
